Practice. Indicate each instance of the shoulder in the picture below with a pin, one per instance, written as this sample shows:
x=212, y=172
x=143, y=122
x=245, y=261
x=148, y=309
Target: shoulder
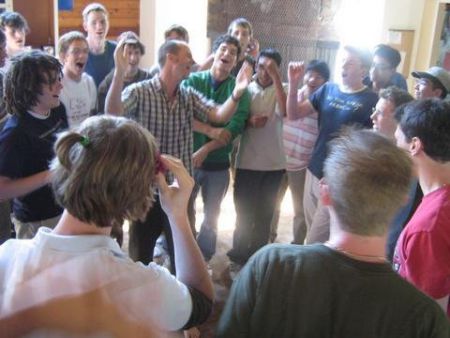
x=110, y=46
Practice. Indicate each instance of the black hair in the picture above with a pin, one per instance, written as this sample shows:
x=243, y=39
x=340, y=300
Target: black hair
x=271, y=53
x=228, y=39
x=392, y=55
x=320, y=67
x=24, y=80
x=428, y=120
x=396, y=95
x=14, y=20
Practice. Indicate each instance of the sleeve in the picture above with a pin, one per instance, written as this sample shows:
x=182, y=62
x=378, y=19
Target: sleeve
x=130, y=101
x=277, y=108
x=426, y=263
x=13, y=151
x=201, y=309
x=316, y=98
x=102, y=91
x=236, y=124
x=93, y=96
x=201, y=105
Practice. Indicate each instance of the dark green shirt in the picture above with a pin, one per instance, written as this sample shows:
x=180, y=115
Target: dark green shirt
x=313, y=291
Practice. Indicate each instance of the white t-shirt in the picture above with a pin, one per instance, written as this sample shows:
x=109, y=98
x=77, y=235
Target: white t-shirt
x=79, y=98
x=50, y=265
x=262, y=148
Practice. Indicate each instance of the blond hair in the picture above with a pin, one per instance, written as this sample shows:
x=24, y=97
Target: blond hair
x=103, y=171
x=94, y=7
x=368, y=178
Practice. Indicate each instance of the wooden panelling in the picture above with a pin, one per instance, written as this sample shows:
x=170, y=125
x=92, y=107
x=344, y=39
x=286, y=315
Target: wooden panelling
x=123, y=16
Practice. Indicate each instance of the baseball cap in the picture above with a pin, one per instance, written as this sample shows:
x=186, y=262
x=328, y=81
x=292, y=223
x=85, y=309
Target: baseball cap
x=436, y=74
x=131, y=38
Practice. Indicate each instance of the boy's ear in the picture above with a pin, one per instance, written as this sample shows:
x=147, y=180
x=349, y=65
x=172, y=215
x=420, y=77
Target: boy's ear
x=415, y=146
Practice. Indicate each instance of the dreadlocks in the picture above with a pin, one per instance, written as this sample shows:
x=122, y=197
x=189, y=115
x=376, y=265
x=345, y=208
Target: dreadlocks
x=24, y=80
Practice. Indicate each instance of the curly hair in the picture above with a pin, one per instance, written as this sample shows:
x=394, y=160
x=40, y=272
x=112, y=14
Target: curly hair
x=24, y=80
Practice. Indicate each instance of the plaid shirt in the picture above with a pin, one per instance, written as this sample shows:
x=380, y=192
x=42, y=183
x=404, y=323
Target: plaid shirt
x=169, y=122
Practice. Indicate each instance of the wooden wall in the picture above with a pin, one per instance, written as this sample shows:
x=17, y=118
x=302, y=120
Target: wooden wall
x=123, y=16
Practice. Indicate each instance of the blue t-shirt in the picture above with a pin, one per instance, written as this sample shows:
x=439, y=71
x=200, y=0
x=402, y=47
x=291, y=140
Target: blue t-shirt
x=99, y=65
x=337, y=109
x=26, y=148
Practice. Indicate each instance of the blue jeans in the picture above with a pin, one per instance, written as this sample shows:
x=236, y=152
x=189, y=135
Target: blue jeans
x=213, y=186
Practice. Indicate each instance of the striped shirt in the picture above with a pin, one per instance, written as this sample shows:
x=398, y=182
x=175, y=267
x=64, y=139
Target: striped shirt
x=169, y=122
x=299, y=137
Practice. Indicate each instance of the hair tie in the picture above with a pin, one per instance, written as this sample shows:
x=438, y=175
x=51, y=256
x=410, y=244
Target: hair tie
x=85, y=141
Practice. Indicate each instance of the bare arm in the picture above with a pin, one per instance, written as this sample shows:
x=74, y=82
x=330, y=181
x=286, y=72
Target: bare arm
x=191, y=268
x=274, y=73
x=224, y=112
x=296, y=109
x=199, y=156
x=11, y=188
x=210, y=131
x=206, y=64
x=113, y=102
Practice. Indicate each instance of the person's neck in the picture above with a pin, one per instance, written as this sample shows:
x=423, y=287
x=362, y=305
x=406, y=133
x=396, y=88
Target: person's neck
x=433, y=175
x=96, y=45
x=12, y=52
x=72, y=76
x=69, y=225
x=363, y=248
x=169, y=83
x=352, y=87
x=131, y=73
x=44, y=111
x=218, y=74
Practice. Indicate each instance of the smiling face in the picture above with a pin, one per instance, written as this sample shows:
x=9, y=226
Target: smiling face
x=96, y=25
x=313, y=80
x=262, y=74
x=48, y=98
x=74, y=60
x=424, y=89
x=134, y=57
x=15, y=39
x=225, y=57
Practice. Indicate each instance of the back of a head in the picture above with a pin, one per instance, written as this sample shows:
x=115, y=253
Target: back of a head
x=368, y=178
x=103, y=171
x=24, y=79
x=179, y=31
x=429, y=120
x=395, y=95
x=14, y=20
x=388, y=53
x=320, y=67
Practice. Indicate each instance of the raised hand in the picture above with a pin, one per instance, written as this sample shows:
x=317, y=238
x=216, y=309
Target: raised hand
x=296, y=72
x=272, y=69
x=243, y=79
x=121, y=57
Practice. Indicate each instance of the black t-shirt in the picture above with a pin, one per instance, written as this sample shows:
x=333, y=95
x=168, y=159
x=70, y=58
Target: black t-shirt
x=26, y=148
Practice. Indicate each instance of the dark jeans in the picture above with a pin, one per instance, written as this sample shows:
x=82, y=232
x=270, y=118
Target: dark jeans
x=255, y=195
x=5, y=221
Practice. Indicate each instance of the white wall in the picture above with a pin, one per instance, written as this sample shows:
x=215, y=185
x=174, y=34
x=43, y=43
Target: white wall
x=190, y=14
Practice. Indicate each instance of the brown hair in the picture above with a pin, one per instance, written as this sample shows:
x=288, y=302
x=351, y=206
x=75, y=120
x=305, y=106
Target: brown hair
x=103, y=170
x=368, y=178
x=66, y=39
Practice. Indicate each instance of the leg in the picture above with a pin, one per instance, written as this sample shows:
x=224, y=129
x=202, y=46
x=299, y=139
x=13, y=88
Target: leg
x=29, y=230
x=310, y=199
x=276, y=213
x=297, y=186
x=246, y=192
x=265, y=201
x=319, y=231
x=214, y=187
x=143, y=234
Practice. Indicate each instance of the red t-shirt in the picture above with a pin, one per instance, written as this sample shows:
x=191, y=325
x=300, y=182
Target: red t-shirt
x=422, y=255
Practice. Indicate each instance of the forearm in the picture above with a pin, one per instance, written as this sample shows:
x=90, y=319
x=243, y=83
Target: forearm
x=113, y=102
x=280, y=95
x=11, y=188
x=202, y=128
x=297, y=109
x=224, y=112
x=190, y=265
x=18, y=324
